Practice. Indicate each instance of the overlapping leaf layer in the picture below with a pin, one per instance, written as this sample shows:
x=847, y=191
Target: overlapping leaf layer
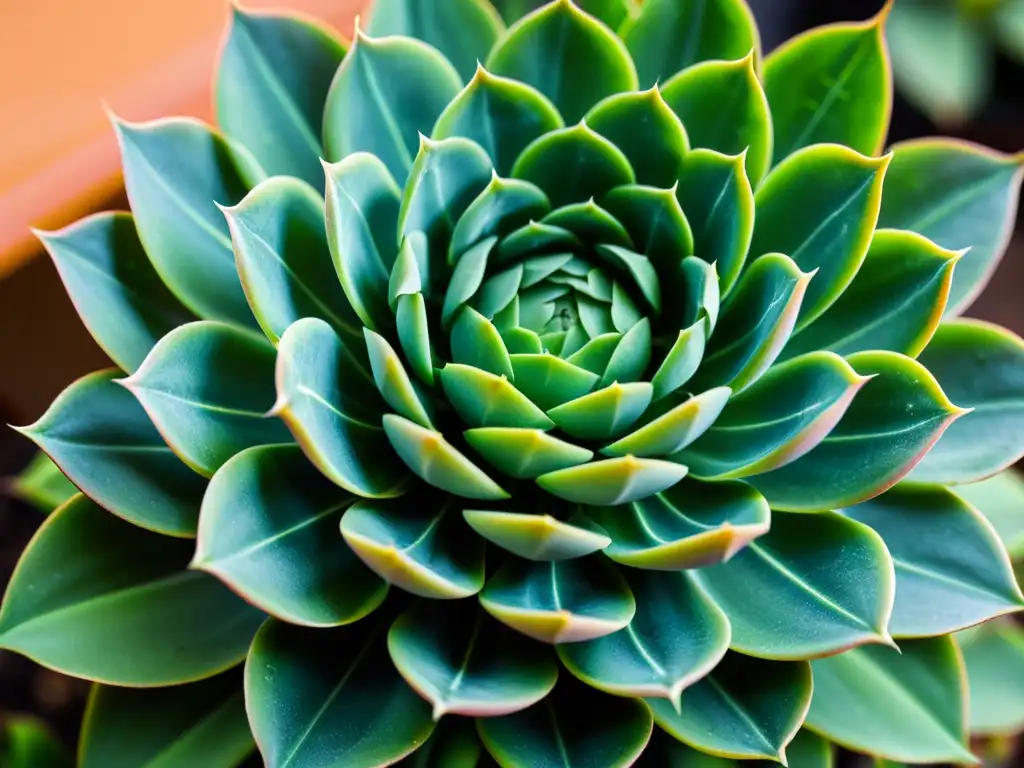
x=591, y=395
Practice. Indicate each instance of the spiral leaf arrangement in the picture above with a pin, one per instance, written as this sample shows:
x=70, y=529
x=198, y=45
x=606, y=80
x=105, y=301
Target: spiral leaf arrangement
x=592, y=381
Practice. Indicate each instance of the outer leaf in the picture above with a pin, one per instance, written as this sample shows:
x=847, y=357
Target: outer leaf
x=176, y=171
x=113, y=285
x=101, y=437
x=27, y=742
x=995, y=663
x=820, y=207
x=612, y=481
x=92, y=591
x=567, y=55
x=463, y=30
x=464, y=663
x=746, y=708
x=980, y=366
x=218, y=406
x=611, y=12
x=269, y=531
x=670, y=35
x=689, y=526
x=895, y=419
x=453, y=744
x=1000, y=499
x=835, y=595
x=733, y=125
x=951, y=571
x=959, y=195
x=806, y=750
x=387, y=92
x=536, y=537
x=284, y=260
x=198, y=724
x=831, y=84
x=575, y=725
x=675, y=638
x=330, y=698
x=42, y=484
x=924, y=684
x=271, y=83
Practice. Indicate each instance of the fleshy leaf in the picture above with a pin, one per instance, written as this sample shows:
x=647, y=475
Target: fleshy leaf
x=831, y=84
x=746, y=708
x=995, y=662
x=734, y=125
x=590, y=223
x=689, y=526
x=330, y=697
x=453, y=744
x=414, y=335
x=176, y=172
x=464, y=663
x=895, y=419
x=113, y=286
x=675, y=429
x=535, y=537
x=483, y=399
x=502, y=207
x=951, y=571
x=676, y=637
x=386, y=93
x=564, y=601
x=1000, y=499
x=91, y=591
x=466, y=279
x=655, y=222
x=525, y=453
x=43, y=485
x=393, y=381
x=422, y=546
x=476, y=343
x=272, y=80
x=605, y=413
x=201, y=723
x=101, y=437
x=923, y=683
x=550, y=381
x=268, y=530
x=682, y=359
x=835, y=595
x=207, y=387
x=979, y=366
x=958, y=195
x=567, y=55
x=806, y=750
x=612, y=481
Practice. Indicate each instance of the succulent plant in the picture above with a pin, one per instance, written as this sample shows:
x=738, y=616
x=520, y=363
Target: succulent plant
x=598, y=392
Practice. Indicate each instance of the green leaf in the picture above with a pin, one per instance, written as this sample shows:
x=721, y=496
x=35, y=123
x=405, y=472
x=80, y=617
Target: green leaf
x=91, y=591
x=746, y=708
x=176, y=172
x=327, y=397
x=922, y=685
x=387, y=93
x=716, y=197
x=979, y=366
x=675, y=429
x=1000, y=499
x=951, y=571
x=605, y=413
x=895, y=419
x=466, y=279
x=421, y=546
x=28, y=742
x=483, y=399
x=689, y=526
x=574, y=726
x=393, y=381
x=894, y=302
x=463, y=663
x=550, y=381
x=676, y=637
x=268, y=530
x=739, y=123
x=835, y=595
x=958, y=195
x=781, y=417
x=573, y=165
x=42, y=484
x=562, y=601
x=669, y=35
x=414, y=336
x=831, y=84
x=362, y=214
x=476, y=343
x=612, y=481
x=113, y=286
x=632, y=354
x=273, y=77
x=463, y=30
x=283, y=258
x=647, y=131
x=656, y=224
x=682, y=360
x=806, y=750
x=320, y=697
x=534, y=238
x=197, y=724
x=207, y=387
x=590, y=223
x=500, y=114
x=525, y=453
x=820, y=207
x=995, y=663
x=567, y=55
x=453, y=744
x=101, y=437
x=756, y=323
x=502, y=207
x=536, y=537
